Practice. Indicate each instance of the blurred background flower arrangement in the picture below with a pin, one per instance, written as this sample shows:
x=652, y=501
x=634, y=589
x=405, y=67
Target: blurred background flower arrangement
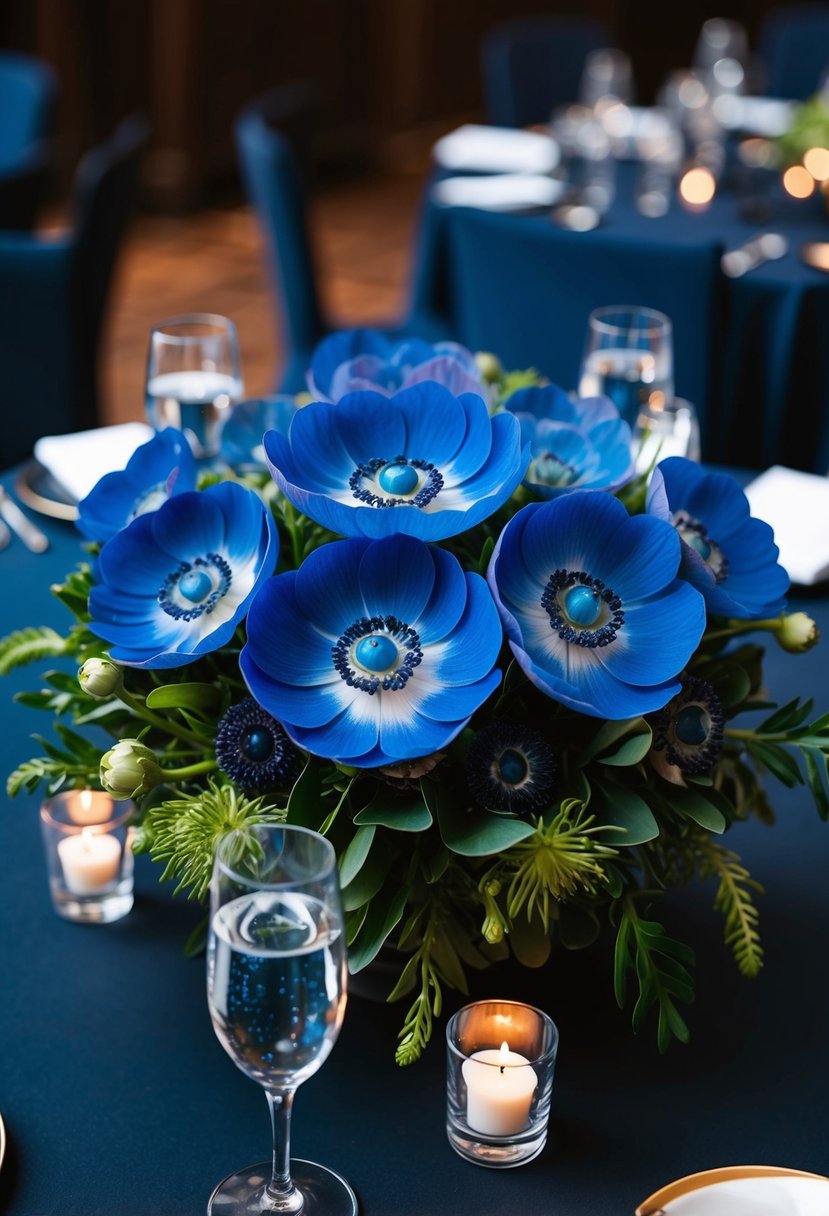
x=437, y=615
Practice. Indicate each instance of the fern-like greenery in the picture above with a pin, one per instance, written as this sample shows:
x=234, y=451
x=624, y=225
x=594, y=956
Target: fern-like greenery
x=734, y=900
x=422, y=971
x=28, y=645
x=660, y=965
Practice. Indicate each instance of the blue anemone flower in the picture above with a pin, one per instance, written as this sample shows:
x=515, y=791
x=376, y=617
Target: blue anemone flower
x=373, y=652
x=575, y=445
x=355, y=359
x=422, y=463
x=241, y=441
x=729, y=556
x=591, y=604
x=253, y=749
x=156, y=470
x=511, y=768
x=175, y=584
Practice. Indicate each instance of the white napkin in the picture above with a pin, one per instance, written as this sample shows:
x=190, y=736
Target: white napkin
x=779, y=1196
x=481, y=149
x=797, y=507
x=77, y=461
x=501, y=192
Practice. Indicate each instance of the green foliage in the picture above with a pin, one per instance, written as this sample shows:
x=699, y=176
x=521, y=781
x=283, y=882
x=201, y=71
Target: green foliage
x=659, y=965
x=734, y=900
x=28, y=646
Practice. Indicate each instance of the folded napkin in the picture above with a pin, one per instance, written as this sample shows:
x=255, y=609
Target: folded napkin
x=478, y=149
x=797, y=507
x=77, y=461
x=502, y=192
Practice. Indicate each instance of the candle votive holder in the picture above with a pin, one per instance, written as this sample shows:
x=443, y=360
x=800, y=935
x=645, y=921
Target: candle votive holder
x=501, y=1058
x=87, y=838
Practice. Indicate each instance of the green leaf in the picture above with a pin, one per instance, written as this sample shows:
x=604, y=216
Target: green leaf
x=383, y=915
x=407, y=814
x=356, y=853
x=305, y=803
x=788, y=717
x=698, y=806
x=813, y=776
x=197, y=941
x=29, y=645
x=779, y=763
x=528, y=941
x=474, y=833
x=617, y=807
x=372, y=874
x=203, y=697
x=622, y=743
x=446, y=957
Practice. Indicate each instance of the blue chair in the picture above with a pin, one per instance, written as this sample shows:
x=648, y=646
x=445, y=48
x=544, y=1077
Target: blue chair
x=794, y=46
x=274, y=139
x=53, y=297
x=534, y=64
x=28, y=96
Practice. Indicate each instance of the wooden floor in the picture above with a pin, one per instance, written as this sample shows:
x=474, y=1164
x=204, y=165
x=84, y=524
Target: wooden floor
x=214, y=262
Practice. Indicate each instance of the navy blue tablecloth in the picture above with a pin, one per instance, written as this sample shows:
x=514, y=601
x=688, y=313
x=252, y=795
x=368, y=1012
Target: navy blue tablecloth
x=119, y=1101
x=751, y=353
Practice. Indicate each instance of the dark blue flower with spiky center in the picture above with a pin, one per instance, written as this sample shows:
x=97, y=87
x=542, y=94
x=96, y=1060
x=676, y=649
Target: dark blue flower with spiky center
x=688, y=732
x=253, y=749
x=511, y=768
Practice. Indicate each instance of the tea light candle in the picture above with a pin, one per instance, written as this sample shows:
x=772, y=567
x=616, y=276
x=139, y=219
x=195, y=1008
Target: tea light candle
x=500, y=1085
x=90, y=861
x=88, y=806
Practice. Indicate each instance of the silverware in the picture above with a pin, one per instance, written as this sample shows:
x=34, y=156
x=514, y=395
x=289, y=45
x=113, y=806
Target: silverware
x=5, y=535
x=766, y=247
x=20, y=524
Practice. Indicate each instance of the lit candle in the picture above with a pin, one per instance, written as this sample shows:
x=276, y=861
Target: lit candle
x=500, y=1085
x=90, y=861
x=85, y=808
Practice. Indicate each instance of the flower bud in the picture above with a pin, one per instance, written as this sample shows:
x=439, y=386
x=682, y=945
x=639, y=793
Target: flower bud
x=797, y=633
x=489, y=366
x=129, y=769
x=100, y=678
x=493, y=931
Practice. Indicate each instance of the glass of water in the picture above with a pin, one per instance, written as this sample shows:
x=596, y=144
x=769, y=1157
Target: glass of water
x=628, y=356
x=276, y=989
x=665, y=428
x=193, y=377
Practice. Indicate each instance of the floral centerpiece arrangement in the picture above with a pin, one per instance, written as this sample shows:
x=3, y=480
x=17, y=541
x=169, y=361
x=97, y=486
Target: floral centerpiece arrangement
x=436, y=616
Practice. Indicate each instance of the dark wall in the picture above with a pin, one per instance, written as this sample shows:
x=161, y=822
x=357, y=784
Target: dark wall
x=385, y=66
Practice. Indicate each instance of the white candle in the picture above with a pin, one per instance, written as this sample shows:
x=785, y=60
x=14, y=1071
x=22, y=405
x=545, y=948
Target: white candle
x=499, y=1091
x=84, y=808
x=90, y=861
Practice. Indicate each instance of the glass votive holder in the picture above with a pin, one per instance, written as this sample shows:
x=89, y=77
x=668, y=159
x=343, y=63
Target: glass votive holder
x=501, y=1058
x=665, y=428
x=87, y=838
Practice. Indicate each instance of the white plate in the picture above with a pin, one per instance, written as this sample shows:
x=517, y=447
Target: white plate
x=742, y=1191
x=501, y=192
x=479, y=149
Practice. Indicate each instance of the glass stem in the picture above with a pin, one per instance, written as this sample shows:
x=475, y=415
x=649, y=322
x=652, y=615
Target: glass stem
x=282, y=1195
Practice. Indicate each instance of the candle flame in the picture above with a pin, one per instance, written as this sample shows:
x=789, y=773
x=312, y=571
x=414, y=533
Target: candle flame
x=85, y=799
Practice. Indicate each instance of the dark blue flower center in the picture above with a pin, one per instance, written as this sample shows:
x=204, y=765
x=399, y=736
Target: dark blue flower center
x=692, y=725
x=378, y=652
x=512, y=767
x=196, y=587
x=581, y=608
x=695, y=535
x=551, y=470
x=256, y=744
x=400, y=482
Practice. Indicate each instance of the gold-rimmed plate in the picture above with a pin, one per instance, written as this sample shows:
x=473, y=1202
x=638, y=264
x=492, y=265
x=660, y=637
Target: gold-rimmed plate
x=723, y=1184
x=36, y=487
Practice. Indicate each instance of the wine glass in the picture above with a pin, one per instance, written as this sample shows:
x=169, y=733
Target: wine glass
x=628, y=357
x=193, y=377
x=276, y=989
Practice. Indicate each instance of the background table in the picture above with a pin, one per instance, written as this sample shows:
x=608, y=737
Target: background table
x=119, y=1101
x=751, y=353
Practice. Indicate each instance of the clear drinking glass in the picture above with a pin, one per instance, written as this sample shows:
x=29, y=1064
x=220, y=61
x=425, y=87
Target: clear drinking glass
x=276, y=989
x=665, y=428
x=628, y=356
x=193, y=377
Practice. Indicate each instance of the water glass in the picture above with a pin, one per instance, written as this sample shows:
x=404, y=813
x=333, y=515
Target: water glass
x=193, y=377
x=628, y=357
x=500, y=1062
x=607, y=77
x=665, y=428
x=276, y=990
x=86, y=836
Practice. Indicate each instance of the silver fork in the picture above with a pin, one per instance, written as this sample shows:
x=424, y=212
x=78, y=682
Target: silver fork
x=21, y=525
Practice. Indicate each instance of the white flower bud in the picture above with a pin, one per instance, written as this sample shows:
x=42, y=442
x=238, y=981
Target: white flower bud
x=797, y=633
x=129, y=769
x=100, y=678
